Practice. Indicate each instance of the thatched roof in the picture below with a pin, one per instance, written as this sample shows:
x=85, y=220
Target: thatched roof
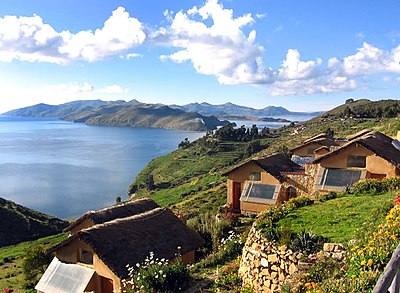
x=322, y=141
x=124, y=210
x=275, y=164
x=358, y=134
x=130, y=240
x=318, y=136
x=374, y=141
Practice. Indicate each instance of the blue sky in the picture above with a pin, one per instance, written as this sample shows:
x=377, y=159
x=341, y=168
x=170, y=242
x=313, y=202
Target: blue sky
x=303, y=55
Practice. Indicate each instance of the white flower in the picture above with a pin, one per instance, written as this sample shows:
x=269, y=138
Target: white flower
x=138, y=264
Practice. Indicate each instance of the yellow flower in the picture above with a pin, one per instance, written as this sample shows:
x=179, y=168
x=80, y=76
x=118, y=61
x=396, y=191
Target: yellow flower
x=353, y=276
x=370, y=262
x=363, y=263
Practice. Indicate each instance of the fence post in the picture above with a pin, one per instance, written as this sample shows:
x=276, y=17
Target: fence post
x=388, y=275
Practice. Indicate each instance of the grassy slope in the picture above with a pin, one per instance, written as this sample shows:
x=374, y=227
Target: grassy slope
x=11, y=259
x=338, y=219
x=189, y=171
x=19, y=223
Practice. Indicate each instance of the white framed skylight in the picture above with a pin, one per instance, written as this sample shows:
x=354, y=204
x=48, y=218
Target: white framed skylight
x=260, y=193
x=336, y=179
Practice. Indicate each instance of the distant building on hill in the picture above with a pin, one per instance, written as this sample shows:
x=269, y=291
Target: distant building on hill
x=332, y=165
x=95, y=257
x=370, y=154
x=258, y=183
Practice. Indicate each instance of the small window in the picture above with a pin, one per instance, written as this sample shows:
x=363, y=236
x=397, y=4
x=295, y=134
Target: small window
x=356, y=161
x=255, y=176
x=86, y=256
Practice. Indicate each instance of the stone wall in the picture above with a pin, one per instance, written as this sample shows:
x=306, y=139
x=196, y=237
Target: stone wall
x=265, y=266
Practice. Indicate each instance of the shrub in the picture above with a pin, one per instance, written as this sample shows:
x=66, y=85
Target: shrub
x=210, y=229
x=229, y=248
x=157, y=275
x=328, y=196
x=34, y=265
x=307, y=242
x=376, y=186
x=298, y=202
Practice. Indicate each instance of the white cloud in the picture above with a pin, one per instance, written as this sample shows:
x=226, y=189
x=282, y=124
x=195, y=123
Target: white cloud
x=112, y=89
x=131, y=55
x=68, y=88
x=29, y=39
x=221, y=49
x=371, y=60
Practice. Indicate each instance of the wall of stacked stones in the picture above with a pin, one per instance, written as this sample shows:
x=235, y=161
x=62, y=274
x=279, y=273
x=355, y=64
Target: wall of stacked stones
x=265, y=266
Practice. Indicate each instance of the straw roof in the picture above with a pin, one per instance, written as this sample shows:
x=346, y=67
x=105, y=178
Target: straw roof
x=374, y=141
x=130, y=240
x=275, y=164
x=124, y=210
x=322, y=141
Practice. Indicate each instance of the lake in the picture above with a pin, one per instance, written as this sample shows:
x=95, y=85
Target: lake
x=65, y=169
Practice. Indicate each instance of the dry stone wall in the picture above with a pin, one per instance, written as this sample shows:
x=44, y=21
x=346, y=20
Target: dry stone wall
x=265, y=266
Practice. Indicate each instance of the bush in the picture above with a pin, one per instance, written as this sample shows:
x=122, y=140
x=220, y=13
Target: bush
x=34, y=265
x=298, y=202
x=376, y=186
x=328, y=196
x=307, y=242
x=229, y=248
x=157, y=275
x=210, y=229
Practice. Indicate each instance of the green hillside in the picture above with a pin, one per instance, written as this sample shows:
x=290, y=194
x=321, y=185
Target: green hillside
x=19, y=223
x=188, y=176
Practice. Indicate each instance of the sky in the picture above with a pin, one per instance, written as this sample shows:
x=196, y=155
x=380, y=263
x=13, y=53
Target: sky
x=304, y=55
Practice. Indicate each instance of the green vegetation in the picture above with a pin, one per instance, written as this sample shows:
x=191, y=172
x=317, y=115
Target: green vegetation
x=12, y=258
x=338, y=219
x=19, y=223
x=191, y=180
x=157, y=275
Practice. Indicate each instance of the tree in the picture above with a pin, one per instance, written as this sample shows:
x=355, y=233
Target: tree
x=34, y=265
x=349, y=101
x=118, y=200
x=149, y=182
x=184, y=143
x=329, y=132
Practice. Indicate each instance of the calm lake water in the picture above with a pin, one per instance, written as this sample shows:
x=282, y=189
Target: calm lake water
x=65, y=169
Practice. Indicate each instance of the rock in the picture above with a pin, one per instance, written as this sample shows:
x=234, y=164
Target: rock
x=282, y=248
x=264, y=262
x=330, y=247
x=292, y=268
x=272, y=258
x=274, y=268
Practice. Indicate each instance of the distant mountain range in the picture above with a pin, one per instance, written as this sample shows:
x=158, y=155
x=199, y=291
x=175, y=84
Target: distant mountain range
x=195, y=116
x=230, y=109
x=121, y=113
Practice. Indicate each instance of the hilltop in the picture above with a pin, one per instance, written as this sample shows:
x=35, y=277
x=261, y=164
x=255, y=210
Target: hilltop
x=19, y=223
x=121, y=113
